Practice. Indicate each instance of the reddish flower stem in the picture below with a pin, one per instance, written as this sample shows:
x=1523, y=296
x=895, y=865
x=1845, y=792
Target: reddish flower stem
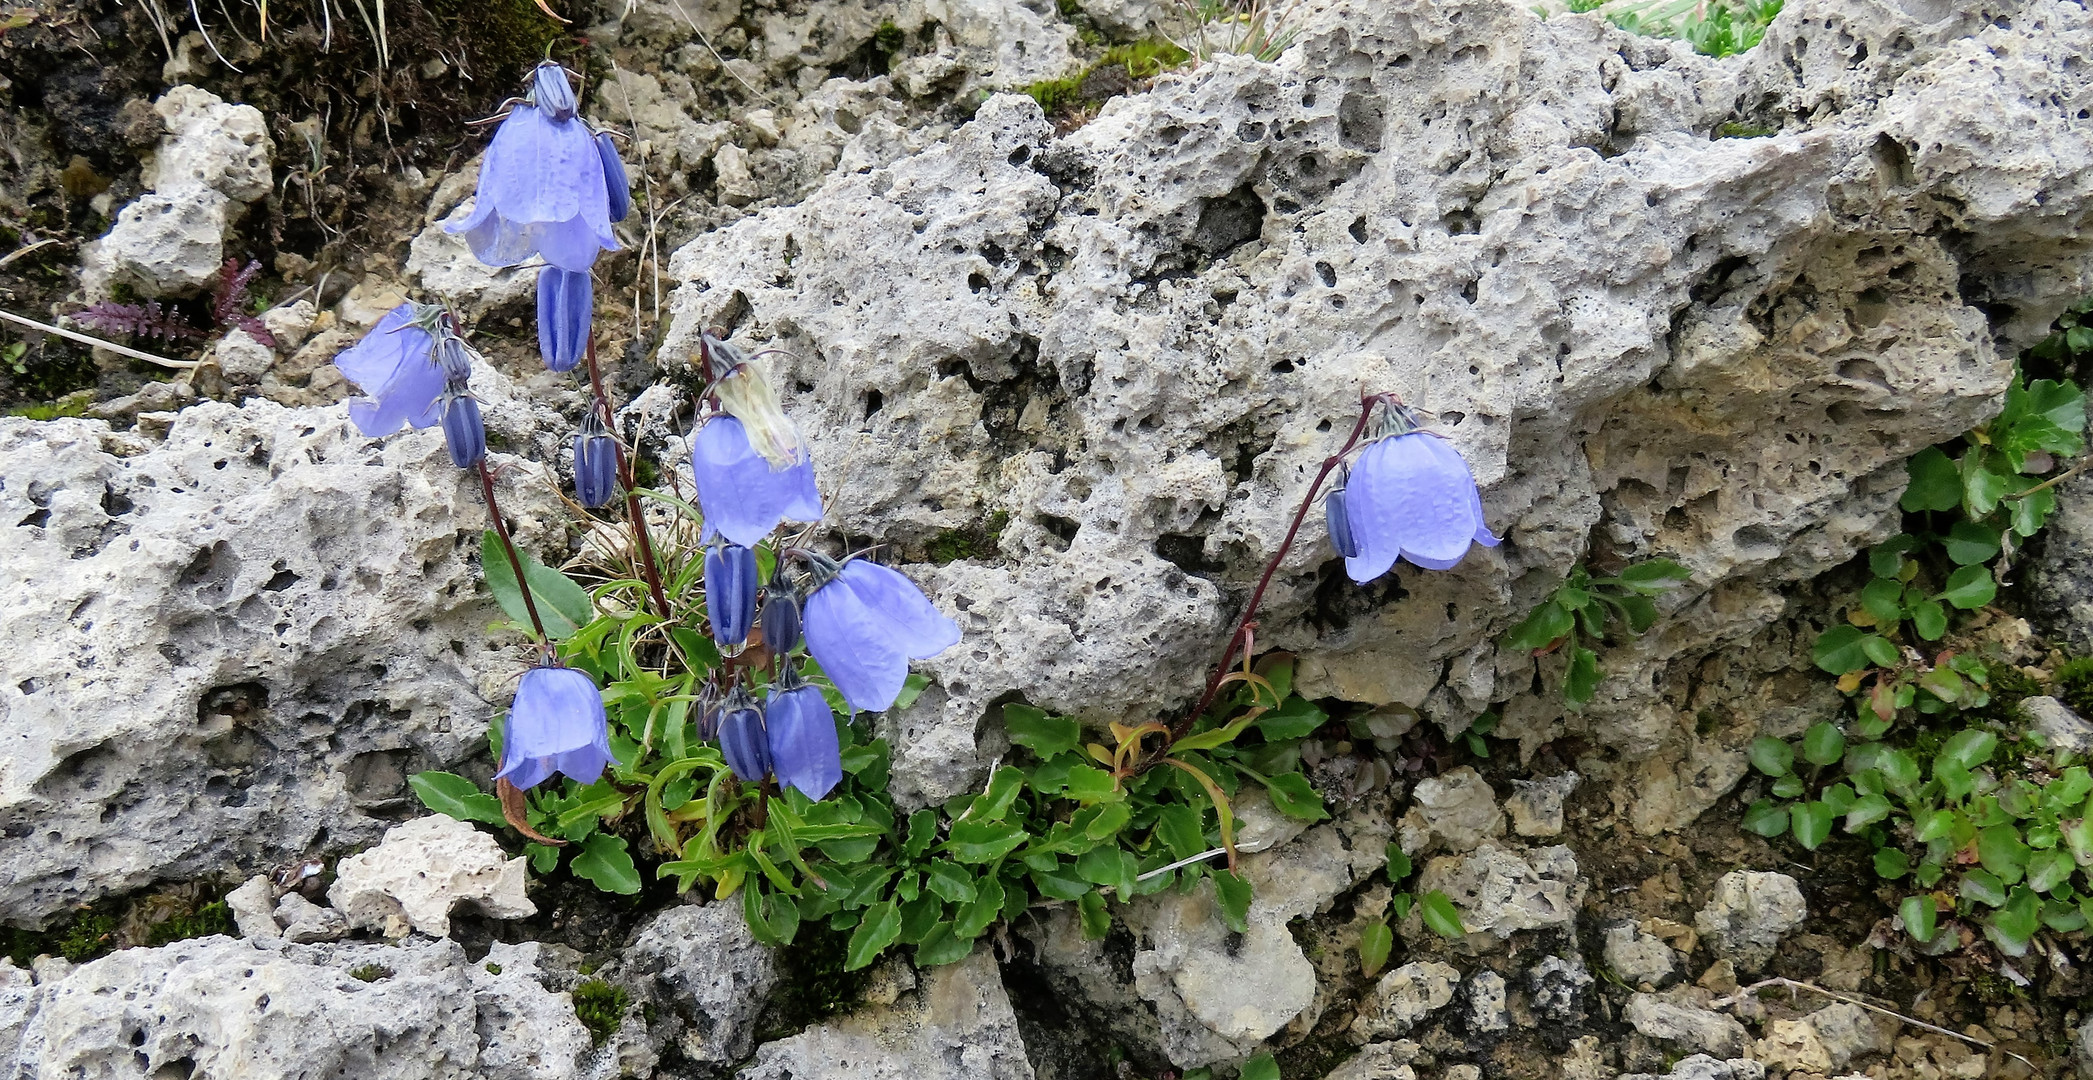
x=501, y=529
x=1245, y=623
x=643, y=547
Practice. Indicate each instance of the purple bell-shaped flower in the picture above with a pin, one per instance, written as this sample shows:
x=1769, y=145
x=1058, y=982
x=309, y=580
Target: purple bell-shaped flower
x=463, y=433
x=779, y=616
x=803, y=748
x=730, y=595
x=595, y=464
x=395, y=368
x=542, y=189
x=566, y=301
x=743, y=498
x=864, y=623
x=556, y=725
x=742, y=740
x=1410, y=496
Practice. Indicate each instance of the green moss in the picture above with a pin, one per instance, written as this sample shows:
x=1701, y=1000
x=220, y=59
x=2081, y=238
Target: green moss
x=975, y=541
x=502, y=39
x=211, y=918
x=814, y=985
x=87, y=935
x=889, y=38
x=70, y=405
x=1056, y=95
x=1735, y=130
x=1145, y=59
x=370, y=972
x=2074, y=685
x=601, y=1008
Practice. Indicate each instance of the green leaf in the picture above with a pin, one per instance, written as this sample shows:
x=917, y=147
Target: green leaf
x=922, y=832
x=1969, y=543
x=984, y=841
x=1886, y=559
x=1655, y=574
x=1929, y=619
x=1774, y=757
x=1838, y=650
x=2029, y=511
x=1883, y=598
x=606, y=864
x=1767, y=818
x=1110, y=865
x=1966, y=749
x=1179, y=827
x=1866, y=811
x=1812, y=824
x=1823, y=743
x=911, y=689
x=2003, y=852
x=1398, y=864
x=562, y=605
x=879, y=929
x=2078, y=836
x=1891, y=864
x=1983, y=888
x=2049, y=869
x=1440, y=915
x=1060, y=883
x=1970, y=587
x=1293, y=796
x=1002, y=791
x=1789, y=787
x=1261, y=1067
x=988, y=904
x=1088, y=785
x=1982, y=487
x=950, y=881
x=1878, y=650
x=1295, y=718
x=1641, y=613
x=1097, y=922
x=1581, y=681
x=1935, y=484
x=2068, y=789
x=1545, y=626
x=1899, y=769
x=943, y=945
x=1232, y=896
x=1375, y=942
x=1044, y=735
x=449, y=793
x=1918, y=913
x=2017, y=920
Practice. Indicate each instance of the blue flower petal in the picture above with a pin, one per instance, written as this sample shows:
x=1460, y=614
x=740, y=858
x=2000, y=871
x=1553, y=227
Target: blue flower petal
x=803, y=748
x=395, y=367
x=556, y=725
x=1412, y=496
x=595, y=470
x=541, y=193
x=855, y=645
x=919, y=629
x=566, y=299
x=616, y=184
x=743, y=742
x=730, y=596
x=741, y=496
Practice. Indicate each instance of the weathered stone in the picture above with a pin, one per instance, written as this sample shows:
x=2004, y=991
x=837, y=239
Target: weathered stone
x=707, y=969
x=241, y=357
x=253, y=905
x=1454, y=811
x=305, y=922
x=1749, y=912
x=1846, y=1031
x=2061, y=728
x=1536, y=805
x=1703, y=1067
x=1404, y=997
x=421, y=871
x=1486, y=1002
x=1500, y=891
x=1638, y=957
x=957, y=1025
x=444, y=265
x=1379, y=1061
x=1700, y=1029
x=1556, y=988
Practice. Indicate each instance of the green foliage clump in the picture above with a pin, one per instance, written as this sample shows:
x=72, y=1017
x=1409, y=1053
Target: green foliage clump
x=1717, y=28
x=1587, y=605
x=212, y=918
x=600, y=1007
x=370, y=972
x=976, y=541
x=2074, y=683
x=1140, y=60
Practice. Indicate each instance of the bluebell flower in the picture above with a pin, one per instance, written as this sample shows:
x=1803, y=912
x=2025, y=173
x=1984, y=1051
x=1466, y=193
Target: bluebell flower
x=1410, y=496
x=542, y=189
x=742, y=739
x=741, y=495
x=463, y=433
x=803, y=748
x=730, y=595
x=779, y=616
x=616, y=184
x=864, y=623
x=394, y=367
x=566, y=301
x=556, y=725
x=551, y=91
x=595, y=463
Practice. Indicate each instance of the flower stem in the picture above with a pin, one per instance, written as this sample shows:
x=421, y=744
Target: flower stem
x=1246, y=622
x=642, y=545
x=523, y=584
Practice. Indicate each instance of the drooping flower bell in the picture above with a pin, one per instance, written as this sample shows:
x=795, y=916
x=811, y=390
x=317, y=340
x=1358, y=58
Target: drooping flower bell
x=803, y=748
x=779, y=614
x=1410, y=496
x=463, y=433
x=395, y=367
x=595, y=463
x=742, y=496
x=556, y=725
x=566, y=301
x=730, y=595
x=743, y=385
x=742, y=739
x=542, y=189
x=864, y=623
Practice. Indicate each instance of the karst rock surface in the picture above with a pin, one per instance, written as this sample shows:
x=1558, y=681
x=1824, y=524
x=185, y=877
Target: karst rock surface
x=1664, y=305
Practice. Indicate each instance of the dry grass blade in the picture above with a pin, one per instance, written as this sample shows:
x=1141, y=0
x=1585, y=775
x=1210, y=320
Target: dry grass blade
x=1793, y=984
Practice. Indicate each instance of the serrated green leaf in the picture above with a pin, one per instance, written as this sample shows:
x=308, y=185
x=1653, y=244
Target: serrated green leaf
x=1179, y=827
x=1044, y=735
x=449, y=793
x=1581, y=680
x=1232, y=896
x=1935, y=483
x=605, y=863
x=880, y=928
x=1546, y=625
x=943, y=945
x=1441, y=916
x=1060, y=882
x=1983, y=486
x=2049, y=869
x=1109, y=866
x=984, y=841
x=1376, y=940
x=949, y=880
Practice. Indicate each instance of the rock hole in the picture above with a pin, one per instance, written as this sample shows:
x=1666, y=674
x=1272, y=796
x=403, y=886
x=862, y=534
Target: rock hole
x=1327, y=273
x=874, y=400
x=1358, y=230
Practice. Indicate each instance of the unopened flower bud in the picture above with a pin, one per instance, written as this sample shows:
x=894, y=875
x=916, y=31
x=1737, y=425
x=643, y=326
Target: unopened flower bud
x=616, y=185
x=551, y=92
x=566, y=299
x=804, y=751
x=455, y=360
x=780, y=618
x=463, y=434
x=595, y=464
x=1341, y=536
x=742, y=738
x=730, y=595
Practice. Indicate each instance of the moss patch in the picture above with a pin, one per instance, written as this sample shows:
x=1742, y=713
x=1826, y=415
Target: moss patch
x=975, y=541
x=370, y=972
x=601, y=1008
x=2074, y=685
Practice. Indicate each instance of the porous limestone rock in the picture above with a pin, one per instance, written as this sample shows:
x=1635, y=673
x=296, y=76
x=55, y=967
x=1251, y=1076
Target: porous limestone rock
x=222, y=1007
x=1379, y=1061
x=423, y=868
x=1536, y=805
x=1556, y=988
x=956, y=1025
x=1453, y=811
x=241, y=356
x=2060, y=728
x=253, y=905
x=708, y=970
x=1702, y=1030
x=1703, y=1067
x=1404, y=997
x=305, y=922
x=1846, y=1031
x=1487, y=1011
x=1638, y=957
x=1138, y=339
x=1500, y=890
x=234, y=642
x=1748, y=914
x=213, y=158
